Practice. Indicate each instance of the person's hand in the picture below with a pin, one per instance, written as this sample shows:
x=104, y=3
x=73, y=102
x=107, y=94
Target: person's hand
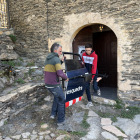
x=67, y=79
x=91, y=81
x=82, y=62
x=64, y=57
x=98, y=79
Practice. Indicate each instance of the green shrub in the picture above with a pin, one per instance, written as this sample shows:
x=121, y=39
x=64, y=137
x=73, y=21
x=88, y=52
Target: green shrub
x=11, y=63
x=13, y=38
x=20, y=81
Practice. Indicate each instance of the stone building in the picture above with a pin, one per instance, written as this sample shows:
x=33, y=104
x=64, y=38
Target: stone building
x=73, y=23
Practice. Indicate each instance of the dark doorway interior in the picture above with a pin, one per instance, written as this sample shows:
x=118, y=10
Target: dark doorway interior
x=105, y=45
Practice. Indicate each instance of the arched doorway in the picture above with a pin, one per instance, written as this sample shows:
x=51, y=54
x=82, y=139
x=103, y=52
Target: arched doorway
x=105, y=45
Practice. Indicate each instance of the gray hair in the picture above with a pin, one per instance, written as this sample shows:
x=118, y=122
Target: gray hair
x=55, y=46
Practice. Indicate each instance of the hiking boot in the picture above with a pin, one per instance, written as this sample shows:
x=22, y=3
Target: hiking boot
x=62, y=123
x=89, y=104
x=52, y=117
x=99, y=92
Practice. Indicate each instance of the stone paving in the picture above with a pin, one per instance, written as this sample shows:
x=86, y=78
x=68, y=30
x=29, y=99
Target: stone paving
x=25, y=112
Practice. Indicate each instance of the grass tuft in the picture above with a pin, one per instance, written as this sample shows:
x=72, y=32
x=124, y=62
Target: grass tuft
x=80, y=134
x=132, y=111
x=84, y=123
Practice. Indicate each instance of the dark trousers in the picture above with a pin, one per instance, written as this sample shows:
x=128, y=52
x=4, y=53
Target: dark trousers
x=95, y=84
x=58, y=107
x=88, y=91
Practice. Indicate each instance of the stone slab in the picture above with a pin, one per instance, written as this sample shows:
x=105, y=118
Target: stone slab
x=33, y=137
x=126, y=126
x=114, y=130
x=8, y=97
x=108, y=135
x=60, y=137
x=106, y=121
x=7, y=138
x=47, y=137
x=2, y=121
x=52, y=135
x=17, y=137
x=92, y=114
x=48, y=98
x=137, y=118
x=26, y=88
x=103, y=100
x=44, y=126
x=1, y=32
x=45, y=132
x=43, y=107
x=25, y=135
x=94, y=129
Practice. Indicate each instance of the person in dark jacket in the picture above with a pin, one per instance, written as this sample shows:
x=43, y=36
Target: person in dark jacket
x=90, y=58
x=52, y=72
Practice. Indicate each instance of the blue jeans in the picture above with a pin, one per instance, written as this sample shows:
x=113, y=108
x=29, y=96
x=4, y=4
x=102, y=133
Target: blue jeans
x=58, y=107
x=95, y=84
x=88, y=91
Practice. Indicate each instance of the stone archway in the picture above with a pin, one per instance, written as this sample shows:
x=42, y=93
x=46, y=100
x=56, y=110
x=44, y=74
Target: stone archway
x=75, y=22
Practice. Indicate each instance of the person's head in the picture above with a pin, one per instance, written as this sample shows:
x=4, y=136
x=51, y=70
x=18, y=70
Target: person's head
x=88, y=48
x=56, y=48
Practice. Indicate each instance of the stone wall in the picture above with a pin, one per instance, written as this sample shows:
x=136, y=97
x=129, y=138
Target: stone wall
x=7, y=46
x=29, y=21
x=67, y=17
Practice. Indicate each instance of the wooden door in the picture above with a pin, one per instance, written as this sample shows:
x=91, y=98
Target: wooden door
x=82, y=38
x=105, y=46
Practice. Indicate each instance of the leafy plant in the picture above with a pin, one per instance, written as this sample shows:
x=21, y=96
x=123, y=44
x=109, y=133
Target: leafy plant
x=42, y=123
x=20, y=59
x=114, y=119
x=31, y=64
x=13, y=38
x=30, y=71
x=18, y=63
x=20, y=81
x=11, y=63
x=5, y=122
x=25, y=75
x=119, y=104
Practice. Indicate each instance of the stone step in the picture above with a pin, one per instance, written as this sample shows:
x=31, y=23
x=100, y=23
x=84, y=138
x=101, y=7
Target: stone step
x=23, y=89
